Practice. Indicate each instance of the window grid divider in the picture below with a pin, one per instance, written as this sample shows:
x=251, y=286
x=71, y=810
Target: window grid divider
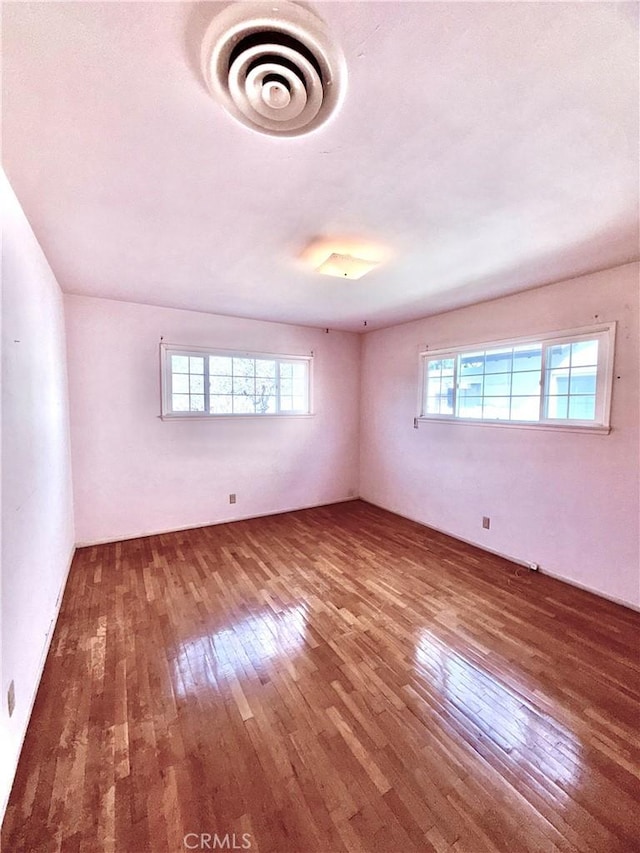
x=207, y=388
x=543, y=384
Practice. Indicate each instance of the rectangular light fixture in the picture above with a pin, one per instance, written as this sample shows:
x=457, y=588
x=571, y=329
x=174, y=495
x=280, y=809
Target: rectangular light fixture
x=346, y=266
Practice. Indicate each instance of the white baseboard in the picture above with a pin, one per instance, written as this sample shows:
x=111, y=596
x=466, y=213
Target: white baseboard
x=586, y=588
x=209, y=523
x=510, y=557
x=43, y=659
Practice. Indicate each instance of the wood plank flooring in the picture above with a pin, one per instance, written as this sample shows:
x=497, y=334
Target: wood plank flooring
x=336, y=679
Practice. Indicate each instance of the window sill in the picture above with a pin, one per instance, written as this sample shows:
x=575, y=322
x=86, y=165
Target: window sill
x=585, y=430
x=203, y=417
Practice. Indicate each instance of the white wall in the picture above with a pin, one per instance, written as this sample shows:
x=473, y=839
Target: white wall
x=136, y=474
x=37, y=508
x=566, y=501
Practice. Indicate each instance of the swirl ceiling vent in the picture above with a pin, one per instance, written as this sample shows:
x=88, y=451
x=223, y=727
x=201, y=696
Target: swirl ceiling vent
x=274, y=68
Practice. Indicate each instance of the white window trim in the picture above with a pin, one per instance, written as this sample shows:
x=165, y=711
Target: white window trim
x=167, y=350
x=604, y=380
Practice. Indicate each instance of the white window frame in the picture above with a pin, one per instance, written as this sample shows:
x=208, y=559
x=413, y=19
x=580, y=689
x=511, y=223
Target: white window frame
x=167, y=350
x=605, y=333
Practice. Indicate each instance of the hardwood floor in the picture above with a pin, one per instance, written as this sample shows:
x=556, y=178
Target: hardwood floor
x=328, y=680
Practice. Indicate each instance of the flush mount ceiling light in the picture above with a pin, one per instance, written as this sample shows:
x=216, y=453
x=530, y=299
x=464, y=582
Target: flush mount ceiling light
x=274, y=67
x=344, y=257
x=346, y=266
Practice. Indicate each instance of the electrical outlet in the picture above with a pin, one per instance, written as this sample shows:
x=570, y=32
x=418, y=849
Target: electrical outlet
x=11, y=697
x=486, y=522
x=232, y=498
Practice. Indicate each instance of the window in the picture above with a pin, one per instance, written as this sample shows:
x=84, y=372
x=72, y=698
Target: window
x=202, y=383
x=561, y=380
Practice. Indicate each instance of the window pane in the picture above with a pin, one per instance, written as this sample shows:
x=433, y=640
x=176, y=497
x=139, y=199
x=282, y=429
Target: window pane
x=220, y=365
x=434, y=392
x=436, y=366
x=432, y=384
x=286, y=404
x=527, y=357
x=300, y=370
x=497, y=385
x=265, y=387
x=264, y=368
x=525, y=408
x=265, y=405
x=220, y=384
x=526, y=383
x=559, y=355
x=286, y=386
x=496, y=408
x=440, y=395
x=180, y=402
x=447, y=366
x=470, y=407
x=243, y=367
x=557, y=407
x=471, y=363
x=471, y=386
x=498, y=361
x=583, y=407
x=244, y=385
x=196, y=364
x=299, y=403
x=180, y=383
x=196, y=384
x=243, y=405
x=583, y=380
x=221, y=405
x=584, y=352
x=299, y=386
x=264, y=400
x=179, y=364
x=286, y=370
x=197, y=403
x=558, y=381
x=446, y=396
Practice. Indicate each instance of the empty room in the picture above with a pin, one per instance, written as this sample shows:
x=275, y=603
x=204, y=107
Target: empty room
x=320, y=427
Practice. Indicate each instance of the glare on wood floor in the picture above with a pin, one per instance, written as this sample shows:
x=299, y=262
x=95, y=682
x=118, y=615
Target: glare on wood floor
x=328, y=680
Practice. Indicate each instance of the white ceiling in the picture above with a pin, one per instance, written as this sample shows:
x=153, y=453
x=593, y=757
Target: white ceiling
x=493, y=147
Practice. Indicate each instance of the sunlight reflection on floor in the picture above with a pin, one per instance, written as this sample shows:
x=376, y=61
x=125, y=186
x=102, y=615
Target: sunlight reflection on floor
x=244, y=648
x=524, y=733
